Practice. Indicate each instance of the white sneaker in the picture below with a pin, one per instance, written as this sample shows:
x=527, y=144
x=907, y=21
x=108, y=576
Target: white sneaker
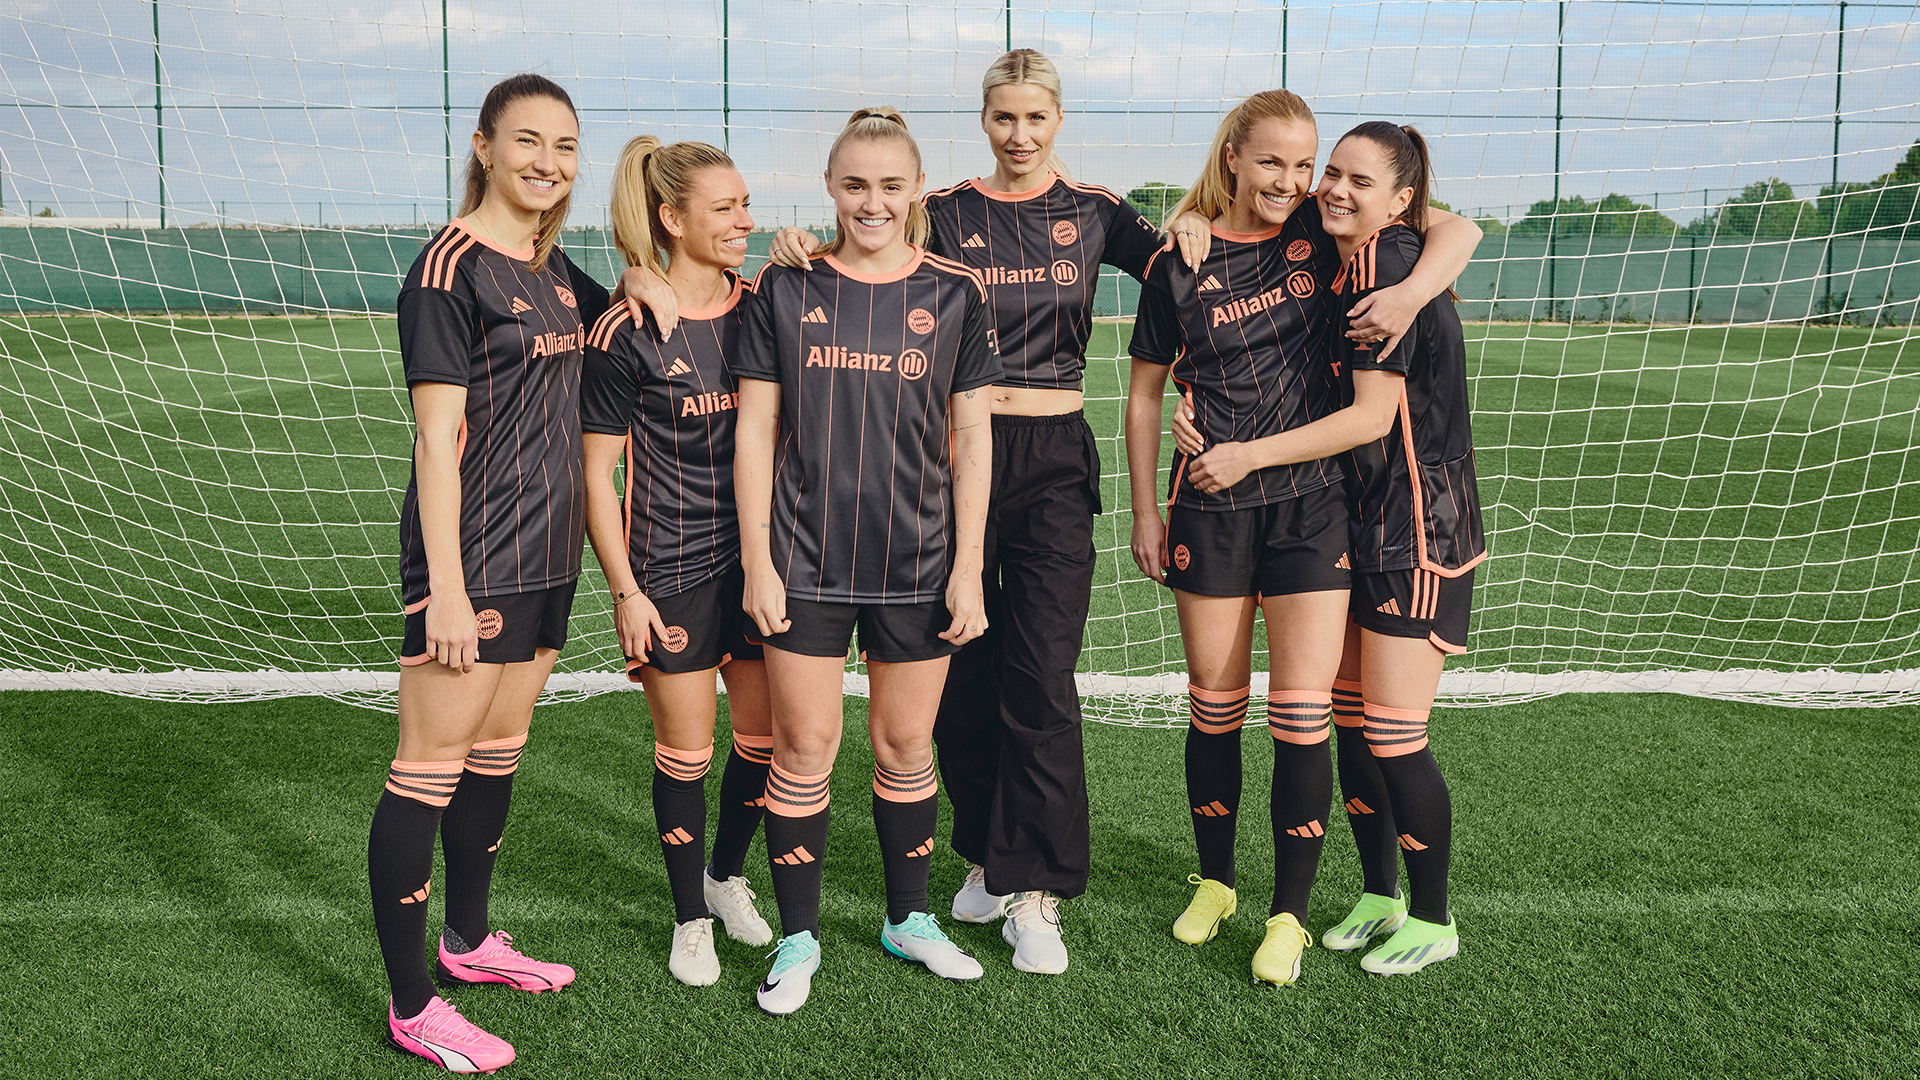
x=918, y=938
x=791, y=979
x=732, y=901
x=692, y=960
x=973, y=903
x=1033, y=929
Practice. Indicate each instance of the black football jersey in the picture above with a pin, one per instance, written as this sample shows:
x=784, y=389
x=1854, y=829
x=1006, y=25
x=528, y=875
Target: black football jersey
x=1414, y=496
x=863, y=464
x=1246, y=335
x=675, y=404
x=473, y=315
x=1039, y=253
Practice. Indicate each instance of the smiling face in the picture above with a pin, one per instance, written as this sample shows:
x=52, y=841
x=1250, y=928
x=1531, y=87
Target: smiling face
x=713, y=228
x=534, y=154
x=1273, y=173
x=1357, y=193
x=1021, y=121
x=874, y=183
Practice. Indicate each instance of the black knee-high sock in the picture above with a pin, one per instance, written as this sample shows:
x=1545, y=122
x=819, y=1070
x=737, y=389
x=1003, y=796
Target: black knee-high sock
x=906, y=811
x=680, y=813
x=1365, y=793
x=471, y=832
x=1213, y=775
x=1302, y=794
x=743, y=802
x=400, y=871
x=1422, y=807
x=797, y=812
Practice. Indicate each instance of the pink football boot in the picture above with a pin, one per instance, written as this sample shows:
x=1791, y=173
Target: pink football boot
x=497, y=961
x=441, y=1035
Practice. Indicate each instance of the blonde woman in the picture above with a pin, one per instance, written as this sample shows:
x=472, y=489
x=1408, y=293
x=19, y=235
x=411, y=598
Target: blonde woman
x=862, y=476
x=672, y=552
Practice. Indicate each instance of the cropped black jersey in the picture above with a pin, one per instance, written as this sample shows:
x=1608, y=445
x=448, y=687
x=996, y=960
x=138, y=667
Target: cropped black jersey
x=863, y=488
x=1246, y=335
x=675, y=404
x=1039, y=253
x=472, y=314
x=1400, y=522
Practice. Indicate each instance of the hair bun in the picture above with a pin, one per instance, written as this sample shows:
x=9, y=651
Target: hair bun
x=877, y=112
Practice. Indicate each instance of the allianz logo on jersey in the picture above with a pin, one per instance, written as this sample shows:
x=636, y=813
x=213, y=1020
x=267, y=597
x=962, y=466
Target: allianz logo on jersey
x=552, y=344
x=708, y=404
x=1299, y=285
x=1062, y=272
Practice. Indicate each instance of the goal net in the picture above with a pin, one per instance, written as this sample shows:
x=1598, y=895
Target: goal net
x=1691, y=325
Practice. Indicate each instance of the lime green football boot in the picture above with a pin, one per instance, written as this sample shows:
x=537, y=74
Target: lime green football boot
x=1414, y=946
x=1277, y=961
x=1372, y=916
x=1212, y=904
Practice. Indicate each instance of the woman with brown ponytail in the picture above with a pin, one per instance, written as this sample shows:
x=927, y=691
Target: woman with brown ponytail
x=672, y=552
x=492, y=326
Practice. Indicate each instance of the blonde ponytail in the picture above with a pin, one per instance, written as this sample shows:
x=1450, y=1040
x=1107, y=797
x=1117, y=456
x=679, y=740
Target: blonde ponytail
x=651, y=175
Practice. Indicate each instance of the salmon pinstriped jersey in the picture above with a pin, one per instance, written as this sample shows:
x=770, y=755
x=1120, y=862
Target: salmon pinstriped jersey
x=863, y=469
x=473, y=315
x=1246, y=335
x=1039, y=253
x=675, y=404
x=1414, y=497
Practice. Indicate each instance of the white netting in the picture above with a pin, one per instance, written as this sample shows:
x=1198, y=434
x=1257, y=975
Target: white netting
x=1691, y=324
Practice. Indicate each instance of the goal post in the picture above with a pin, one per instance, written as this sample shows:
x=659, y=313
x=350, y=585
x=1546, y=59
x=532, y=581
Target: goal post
x=1691, y=325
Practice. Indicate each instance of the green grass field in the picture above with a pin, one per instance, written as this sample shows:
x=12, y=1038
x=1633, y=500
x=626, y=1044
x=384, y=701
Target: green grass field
x=1647, y=887
x=222, y=493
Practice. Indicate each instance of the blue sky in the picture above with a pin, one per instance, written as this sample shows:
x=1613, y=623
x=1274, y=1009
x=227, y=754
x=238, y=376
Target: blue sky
x=330, y=109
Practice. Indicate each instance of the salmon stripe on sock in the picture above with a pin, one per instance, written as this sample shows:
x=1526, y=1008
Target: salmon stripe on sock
x=1217, y=712
x=755, y=748
x=682, y=764
x=1395, y=732
x=909, y=786
x=497, y=757
x=428, y=782
x=1348, y=712
x=1299, y=716
x=791, y=794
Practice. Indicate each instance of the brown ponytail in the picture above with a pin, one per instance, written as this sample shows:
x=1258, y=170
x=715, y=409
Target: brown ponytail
x=876, y=123
x=504, y=93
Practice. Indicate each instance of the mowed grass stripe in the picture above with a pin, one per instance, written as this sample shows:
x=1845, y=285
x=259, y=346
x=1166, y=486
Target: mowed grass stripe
x=1647, y=885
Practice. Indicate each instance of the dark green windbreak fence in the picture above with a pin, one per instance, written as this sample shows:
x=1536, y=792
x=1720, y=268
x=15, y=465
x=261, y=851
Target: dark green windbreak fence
x=52, y=269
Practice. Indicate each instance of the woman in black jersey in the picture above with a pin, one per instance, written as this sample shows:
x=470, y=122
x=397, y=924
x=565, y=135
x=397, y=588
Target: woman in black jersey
x=862, y=477
x=1245, y=333
x=672, y=558
x=491, y=333
x=1009, y=725
x=1406, y=441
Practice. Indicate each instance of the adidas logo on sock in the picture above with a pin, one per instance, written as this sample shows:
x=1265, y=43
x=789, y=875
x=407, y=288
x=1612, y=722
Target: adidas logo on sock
x=680, y=367
x=760, y=802
x=817, y=315
x=1308, y=831
x=1210, y=284
x=799, y=856
x=1391, y=607
x=520, y=305
x=1408, y=843
x=1212, y=809
x=973, y=241
x=1355, y=806
x=419, y=895
x=925, y=848
x=677, y=837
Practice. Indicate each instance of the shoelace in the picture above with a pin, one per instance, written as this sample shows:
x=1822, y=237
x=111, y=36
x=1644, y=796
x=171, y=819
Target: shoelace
x=922, y=925
x=440, y=1020
x=785, y=955
x=699, y=932
x=1306, y=939
x=735, y=889
x=976, y=876
x=1032, y=910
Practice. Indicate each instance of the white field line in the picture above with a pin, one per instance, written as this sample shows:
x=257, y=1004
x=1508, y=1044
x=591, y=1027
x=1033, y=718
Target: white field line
x=1815, y=689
